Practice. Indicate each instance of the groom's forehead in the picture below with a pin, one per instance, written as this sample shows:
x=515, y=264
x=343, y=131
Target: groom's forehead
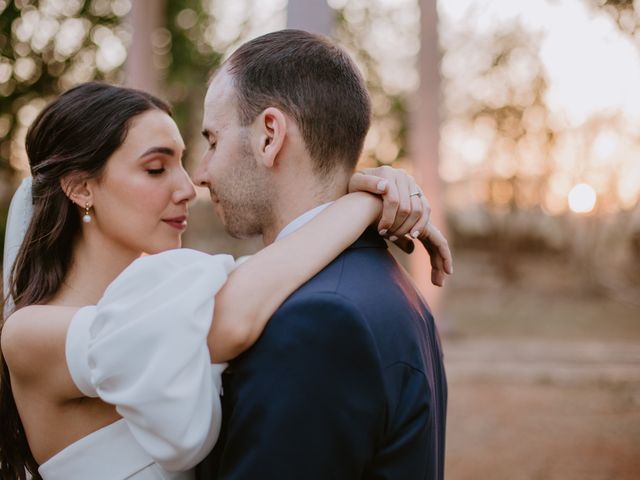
x=221, y=91
x=220, y=101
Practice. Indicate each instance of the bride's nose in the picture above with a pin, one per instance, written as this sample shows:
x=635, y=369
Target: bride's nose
x=185, y=191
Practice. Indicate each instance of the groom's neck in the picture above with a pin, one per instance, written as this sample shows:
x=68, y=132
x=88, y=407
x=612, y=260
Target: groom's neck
x=298, y=199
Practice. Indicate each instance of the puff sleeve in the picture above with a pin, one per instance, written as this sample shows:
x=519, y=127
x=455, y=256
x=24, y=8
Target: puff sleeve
x=143, y=348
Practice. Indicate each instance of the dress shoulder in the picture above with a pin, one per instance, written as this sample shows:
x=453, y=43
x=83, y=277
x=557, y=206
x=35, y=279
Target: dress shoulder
x=166, y=271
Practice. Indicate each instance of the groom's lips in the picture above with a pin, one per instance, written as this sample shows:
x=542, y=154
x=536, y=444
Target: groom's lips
x=179, y=223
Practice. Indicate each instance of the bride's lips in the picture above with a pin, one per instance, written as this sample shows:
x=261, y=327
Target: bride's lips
x=179, y=223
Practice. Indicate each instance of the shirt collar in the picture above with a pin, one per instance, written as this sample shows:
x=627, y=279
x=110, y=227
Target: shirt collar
x=301, y=220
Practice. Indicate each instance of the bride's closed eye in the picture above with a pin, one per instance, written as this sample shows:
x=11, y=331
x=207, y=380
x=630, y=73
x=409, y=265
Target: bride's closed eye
x=156, y=171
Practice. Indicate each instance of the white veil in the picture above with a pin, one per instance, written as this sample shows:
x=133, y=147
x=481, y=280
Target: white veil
x=18, y=219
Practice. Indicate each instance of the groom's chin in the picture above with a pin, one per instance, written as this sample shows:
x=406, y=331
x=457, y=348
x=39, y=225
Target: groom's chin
x=239, y=234
x=235, y=225
x=229, y=227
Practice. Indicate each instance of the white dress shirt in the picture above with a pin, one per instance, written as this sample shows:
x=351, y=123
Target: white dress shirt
x=301, y=220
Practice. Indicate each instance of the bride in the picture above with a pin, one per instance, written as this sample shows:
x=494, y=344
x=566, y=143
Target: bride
x=107, y=185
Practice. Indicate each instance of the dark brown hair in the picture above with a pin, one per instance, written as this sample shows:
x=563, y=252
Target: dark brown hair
x=313, y=81
x=75, y=134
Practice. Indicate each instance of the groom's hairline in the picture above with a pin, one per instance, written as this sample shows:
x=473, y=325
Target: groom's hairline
x=216, y=71
x=213, y=75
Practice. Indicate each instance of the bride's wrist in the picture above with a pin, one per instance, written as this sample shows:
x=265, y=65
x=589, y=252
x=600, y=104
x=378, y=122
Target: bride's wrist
x=372, y=205
x=361, y=205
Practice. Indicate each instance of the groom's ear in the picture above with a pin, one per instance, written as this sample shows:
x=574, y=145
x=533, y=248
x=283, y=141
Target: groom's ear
x=272, y=130
x=77, y=189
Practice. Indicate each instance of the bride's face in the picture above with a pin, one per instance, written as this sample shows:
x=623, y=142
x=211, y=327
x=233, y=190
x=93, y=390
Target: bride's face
x=140, y=201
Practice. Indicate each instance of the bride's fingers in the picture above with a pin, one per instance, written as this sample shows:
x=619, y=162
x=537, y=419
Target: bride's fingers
x=417, y=217
x=437, y=245
x=364, y=182
x=433, y=240
x=404, y=204
x=437, y=277
x=405, y=244
x=389, y=208
x=437, y=264
x=415, y=228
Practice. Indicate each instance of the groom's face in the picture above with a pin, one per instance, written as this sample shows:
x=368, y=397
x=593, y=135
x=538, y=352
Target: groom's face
x=237, y=182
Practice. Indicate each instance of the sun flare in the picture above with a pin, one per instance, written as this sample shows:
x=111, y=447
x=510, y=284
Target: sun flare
x=582, y=198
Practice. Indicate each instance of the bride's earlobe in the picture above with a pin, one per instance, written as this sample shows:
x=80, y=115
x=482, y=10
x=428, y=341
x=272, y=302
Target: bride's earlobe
x=77, y=191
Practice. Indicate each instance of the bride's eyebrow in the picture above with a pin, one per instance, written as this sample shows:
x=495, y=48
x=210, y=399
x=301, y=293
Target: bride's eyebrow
x=161, y=150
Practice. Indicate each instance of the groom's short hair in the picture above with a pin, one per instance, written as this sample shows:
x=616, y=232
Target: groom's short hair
x=312, y=80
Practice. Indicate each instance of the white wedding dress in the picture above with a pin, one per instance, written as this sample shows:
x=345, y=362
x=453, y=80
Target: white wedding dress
x=143, y=348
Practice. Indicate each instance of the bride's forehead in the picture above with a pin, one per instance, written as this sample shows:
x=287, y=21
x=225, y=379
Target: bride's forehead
x=148, y=131
x=152, y=122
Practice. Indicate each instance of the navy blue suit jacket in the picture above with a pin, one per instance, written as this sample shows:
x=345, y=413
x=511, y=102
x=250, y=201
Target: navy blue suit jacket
x=346, y=382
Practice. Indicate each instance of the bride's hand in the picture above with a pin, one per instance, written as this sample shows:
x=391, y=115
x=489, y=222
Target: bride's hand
x=405, y=215
x=439, y=253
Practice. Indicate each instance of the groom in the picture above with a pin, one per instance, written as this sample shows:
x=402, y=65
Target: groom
x=347, y=380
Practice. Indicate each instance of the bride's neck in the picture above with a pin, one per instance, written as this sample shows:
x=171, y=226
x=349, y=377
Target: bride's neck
x=94, y=265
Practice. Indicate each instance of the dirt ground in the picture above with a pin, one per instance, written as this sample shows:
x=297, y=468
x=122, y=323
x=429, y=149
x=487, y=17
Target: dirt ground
x=544, y=379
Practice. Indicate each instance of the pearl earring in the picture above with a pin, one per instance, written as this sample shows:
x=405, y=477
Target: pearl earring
x=86, y=218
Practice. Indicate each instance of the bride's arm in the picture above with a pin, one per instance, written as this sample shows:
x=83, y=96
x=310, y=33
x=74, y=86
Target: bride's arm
x=256, y=289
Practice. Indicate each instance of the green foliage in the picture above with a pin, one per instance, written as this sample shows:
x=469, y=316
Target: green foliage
x=45, y=47
x=43, y=51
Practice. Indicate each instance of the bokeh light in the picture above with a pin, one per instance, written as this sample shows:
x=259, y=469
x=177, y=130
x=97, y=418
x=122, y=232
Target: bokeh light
x=582, y=198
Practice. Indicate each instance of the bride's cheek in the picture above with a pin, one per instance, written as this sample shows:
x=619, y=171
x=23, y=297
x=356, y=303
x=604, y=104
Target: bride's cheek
x=151, y=198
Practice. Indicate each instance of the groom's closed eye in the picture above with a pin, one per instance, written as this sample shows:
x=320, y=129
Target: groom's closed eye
x=208, y=137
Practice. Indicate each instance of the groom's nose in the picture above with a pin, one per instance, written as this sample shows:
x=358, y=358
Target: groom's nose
x=199, y=176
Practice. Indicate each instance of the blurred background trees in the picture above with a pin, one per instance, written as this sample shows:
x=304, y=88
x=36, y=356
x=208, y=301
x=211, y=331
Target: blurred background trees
x=530, y=169
x=508, y=158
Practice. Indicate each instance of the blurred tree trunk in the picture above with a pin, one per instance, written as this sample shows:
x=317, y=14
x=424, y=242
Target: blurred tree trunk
x=424, y=136
x=311, y=15
x=142, y=70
